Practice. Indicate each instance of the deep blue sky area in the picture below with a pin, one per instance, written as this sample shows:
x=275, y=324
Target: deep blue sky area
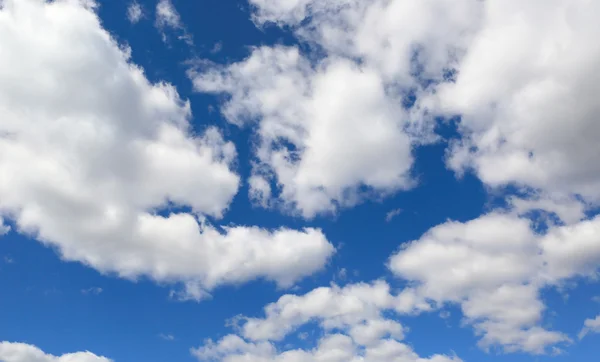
x=65, y=306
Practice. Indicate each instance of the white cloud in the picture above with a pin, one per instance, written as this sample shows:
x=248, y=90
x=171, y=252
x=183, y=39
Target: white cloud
x=20, y=352
x=392, y=214
x=351, y=321
x=333, y=131
x=167, y=337
x=332, y=307
x=109, y=155
x=167, y=17
x=526, y=92
x=135, y=12
x=299, y=108
x=92, y=291
x=590, y=326
x=494, y=268
x=525, y=76
x=568, y=210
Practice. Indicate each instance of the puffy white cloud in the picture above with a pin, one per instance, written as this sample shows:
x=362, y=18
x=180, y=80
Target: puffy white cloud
x=115, y=176
x=21, y=352
x=525, y=90
x=354, y=329
x=494, y=268
x=167, y=17
x=523, y=77
x=334, y=130
x=590, y=326
x=135, y=12
x=332, y=307
x=325, y=133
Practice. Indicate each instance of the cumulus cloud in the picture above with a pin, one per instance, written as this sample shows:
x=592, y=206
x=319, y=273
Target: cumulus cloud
x=168, y=18
x=335, y=129
x=21, y=352
x=494, y=268
x=135, y=12
x=116, y=178
x=525, y=92
x=351, y=319
x=299, y=108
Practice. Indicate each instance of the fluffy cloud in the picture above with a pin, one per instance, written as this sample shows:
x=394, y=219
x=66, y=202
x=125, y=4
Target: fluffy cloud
x=350, y=317
x=334, y=130
x=299, y=108
x=522, y=78
x=116, y=178
x=525, y=91
x=494, y=268
x=20, y=352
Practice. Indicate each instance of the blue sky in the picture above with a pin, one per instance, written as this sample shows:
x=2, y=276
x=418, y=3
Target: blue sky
x=299, y=180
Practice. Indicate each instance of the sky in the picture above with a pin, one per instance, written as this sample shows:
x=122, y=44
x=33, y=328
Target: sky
x=299, y=180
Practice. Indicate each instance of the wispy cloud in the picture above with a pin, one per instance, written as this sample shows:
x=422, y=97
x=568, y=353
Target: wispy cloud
x=392, y=214
x=92, y=291
x=168, y=17
x=135, y=12
x=167, y=337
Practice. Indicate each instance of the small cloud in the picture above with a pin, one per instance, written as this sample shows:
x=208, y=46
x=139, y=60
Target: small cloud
x=168, y=17
x=596, y=299
x=135, y=12
x=9, y=260
x=303, y=336
x=92, y=291
x=191, y=291
x=167, y=337
x=392, y=214
x=342, y=274
x=216, y=48
x=445, y=314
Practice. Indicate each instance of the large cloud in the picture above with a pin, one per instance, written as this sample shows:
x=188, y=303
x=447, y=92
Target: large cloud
x=526, y=92
x=323, y=132
x=334, y=129
x=523, y=79
x=351, y=319
x=494, y=268
x=21, y=352
x=90, y=152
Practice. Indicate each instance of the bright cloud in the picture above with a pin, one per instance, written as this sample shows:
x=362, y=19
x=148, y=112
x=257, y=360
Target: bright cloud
x=494, y=268
x=21, y=352
x=354, y=329
x=106, y=151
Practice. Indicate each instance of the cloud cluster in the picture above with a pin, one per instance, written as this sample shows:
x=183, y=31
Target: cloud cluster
x=116, y=177
x=352, y=321
x=21, y=352
x=494, y=267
